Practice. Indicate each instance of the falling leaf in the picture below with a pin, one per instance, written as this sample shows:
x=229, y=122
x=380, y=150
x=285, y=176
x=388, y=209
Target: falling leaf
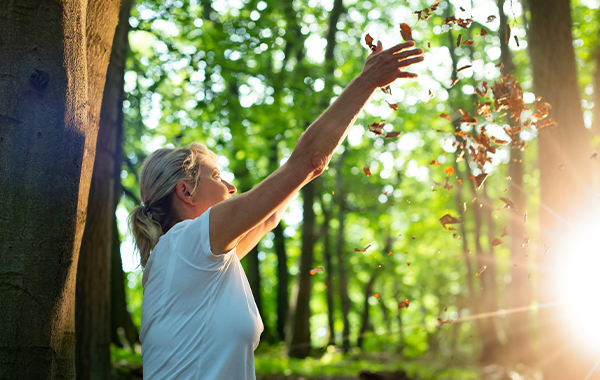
x=428, y=44
x=403, y=304
x=387, y=90
x=495, y=242
x=362, y=250
x=314, y=271
x=367, y=171
x=376, y=295
x=491, y=18
x=442, y=322
x=504, y=233
x=455, y=81
x=448, y=219
x=390, y=253
x=433, y=162
x=462, y=9
x=449, y=170
x=517, y=40
x=392, y=134
x=406, y=32
x=369, y=41
x=481, y=271
x=507, y=203
x=445, y=116
x=377, y=128
x=468, y=42
x=430, y=96
x=392, y=106
x=479, y=180
x=483, y=32
x=464, y=68
x=407, y=264
x=458, y=40
x=507, y=37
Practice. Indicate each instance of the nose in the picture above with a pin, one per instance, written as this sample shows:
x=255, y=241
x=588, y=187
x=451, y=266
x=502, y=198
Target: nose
x=232, y=189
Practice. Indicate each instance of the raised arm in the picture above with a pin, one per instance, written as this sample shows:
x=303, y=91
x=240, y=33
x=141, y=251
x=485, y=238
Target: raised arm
x=232, y=219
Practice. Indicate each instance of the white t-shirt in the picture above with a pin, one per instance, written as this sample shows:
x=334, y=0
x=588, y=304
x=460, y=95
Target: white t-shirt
x=199, y=318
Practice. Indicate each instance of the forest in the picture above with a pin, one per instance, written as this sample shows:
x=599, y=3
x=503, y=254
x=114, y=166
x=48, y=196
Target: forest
x=451, y=237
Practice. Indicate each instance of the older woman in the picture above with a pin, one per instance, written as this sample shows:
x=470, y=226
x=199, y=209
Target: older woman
x=199, y=318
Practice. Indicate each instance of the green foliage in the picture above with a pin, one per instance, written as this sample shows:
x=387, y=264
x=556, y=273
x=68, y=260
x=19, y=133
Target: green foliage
x=247, y=77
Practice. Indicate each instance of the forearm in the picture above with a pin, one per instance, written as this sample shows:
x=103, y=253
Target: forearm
x=321, y=139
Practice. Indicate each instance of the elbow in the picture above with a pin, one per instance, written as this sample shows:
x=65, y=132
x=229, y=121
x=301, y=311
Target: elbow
x=318, y=164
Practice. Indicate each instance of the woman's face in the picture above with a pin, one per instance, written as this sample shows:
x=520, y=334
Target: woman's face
x=212, y=189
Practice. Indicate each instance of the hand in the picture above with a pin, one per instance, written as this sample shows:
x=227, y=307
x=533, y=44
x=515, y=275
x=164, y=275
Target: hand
x=385, y=66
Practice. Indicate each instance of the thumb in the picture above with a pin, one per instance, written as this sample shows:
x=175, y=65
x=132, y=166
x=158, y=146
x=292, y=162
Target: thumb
x=379, y=47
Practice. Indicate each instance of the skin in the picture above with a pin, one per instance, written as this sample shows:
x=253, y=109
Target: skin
x=244, y=219
x=211, y=190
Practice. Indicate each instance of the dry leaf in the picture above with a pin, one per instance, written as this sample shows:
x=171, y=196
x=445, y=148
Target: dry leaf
x=442, y=322
x=314, y=271
x=481, y=271
x=362, y=250
x=445, y=116
x=458, y=40
x=504, y=233
x=507, y=37
x=448, y=219
x=403, y=304
x=369, y=41
x=392, y=106
x=464, y=68
x=507, y=203
x=377, y=128
x=376, y=295
x=406, y=32
x=455, y=81
x=491, y=18
x=392, y=134
x=468, y=42
x=517, y=40
x=479, y=180
x=483, y=32
x=449, y=170
x=430, y=96
x=367, y=171
x=495, y=242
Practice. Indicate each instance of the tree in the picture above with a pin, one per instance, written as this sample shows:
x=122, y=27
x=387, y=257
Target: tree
x=565, y=146
x=53, y=64
x=93, y=290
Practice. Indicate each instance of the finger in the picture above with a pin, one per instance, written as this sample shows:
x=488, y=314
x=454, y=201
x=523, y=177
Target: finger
x=379, y=47
x=408, y=53
x=398, y=48
x=410, y=61
x=404, y=74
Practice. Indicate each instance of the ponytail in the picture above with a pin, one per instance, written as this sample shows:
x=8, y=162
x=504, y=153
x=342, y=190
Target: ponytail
x=160, y=173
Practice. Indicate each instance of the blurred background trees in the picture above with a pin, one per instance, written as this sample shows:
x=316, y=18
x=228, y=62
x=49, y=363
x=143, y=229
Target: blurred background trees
x=247, y=78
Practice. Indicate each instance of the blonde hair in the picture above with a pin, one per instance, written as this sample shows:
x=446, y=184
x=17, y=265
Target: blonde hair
x=160, y=173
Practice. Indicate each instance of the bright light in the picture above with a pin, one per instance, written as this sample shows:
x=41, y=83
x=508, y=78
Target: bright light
x=579, y=284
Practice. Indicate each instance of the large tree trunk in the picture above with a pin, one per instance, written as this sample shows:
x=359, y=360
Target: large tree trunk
x=564, y=193
x=53, y=61
x=92, y=301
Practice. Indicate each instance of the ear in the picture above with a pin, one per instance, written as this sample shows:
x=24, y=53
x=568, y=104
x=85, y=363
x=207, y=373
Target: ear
x=184, y=191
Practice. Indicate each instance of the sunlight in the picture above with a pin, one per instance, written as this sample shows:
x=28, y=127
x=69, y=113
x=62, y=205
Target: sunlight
x=579, y=283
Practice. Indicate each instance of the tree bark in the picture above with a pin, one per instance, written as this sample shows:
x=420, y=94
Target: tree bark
x=92, y=300
x=564, y=171
x=53, y=60
x=364, y=327
x=282, y=281
x=329, y=271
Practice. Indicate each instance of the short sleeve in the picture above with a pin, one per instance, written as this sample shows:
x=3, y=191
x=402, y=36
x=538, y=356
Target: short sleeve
x=193, y=245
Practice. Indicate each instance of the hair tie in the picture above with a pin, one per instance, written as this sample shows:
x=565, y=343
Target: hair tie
x=146, y=211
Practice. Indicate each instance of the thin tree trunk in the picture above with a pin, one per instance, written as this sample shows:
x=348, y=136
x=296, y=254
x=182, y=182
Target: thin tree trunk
x=519, y=292
x=365, y=312
x=53, y=60
x=282, y=281
x=341, y=256
x=326, y=234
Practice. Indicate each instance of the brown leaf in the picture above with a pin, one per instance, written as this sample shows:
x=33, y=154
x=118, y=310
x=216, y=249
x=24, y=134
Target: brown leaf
x=392, y=134
x=377, y=128
x=392, y=106
x=449, y=170
x=495, y=242
x=406, y=32
x=507, y=203
x=504, y=233
x=376, y=295
x=369, y=41
x=445, y=116
x=362, y=250
x=403, y=304
x=314, y=271
x=367, y=171
x=455, y=81
x=458, y=40
x=479, y=180
x=464, y=68
x=483, y=32
x=430, y=96
x=491, y=18
x=442, y=322
x=448, y=219
x=481, y=271
x=468, y=42
x=517, y=40
x=507, y=37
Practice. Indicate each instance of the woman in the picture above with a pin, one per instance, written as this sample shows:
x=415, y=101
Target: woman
x=199, y=318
